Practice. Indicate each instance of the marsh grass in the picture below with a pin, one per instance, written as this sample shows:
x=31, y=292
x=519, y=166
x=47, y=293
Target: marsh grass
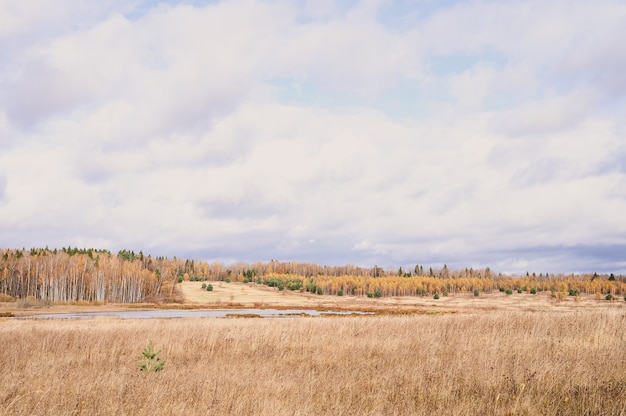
x=30, y=302
x=511, y=363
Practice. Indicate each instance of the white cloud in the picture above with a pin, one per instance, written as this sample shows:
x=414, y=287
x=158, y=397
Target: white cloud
x=166, y=130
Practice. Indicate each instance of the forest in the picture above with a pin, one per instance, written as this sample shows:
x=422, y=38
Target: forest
x=99, y=276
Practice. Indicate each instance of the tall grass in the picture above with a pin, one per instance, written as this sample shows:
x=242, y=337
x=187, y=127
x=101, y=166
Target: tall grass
x=488, y=364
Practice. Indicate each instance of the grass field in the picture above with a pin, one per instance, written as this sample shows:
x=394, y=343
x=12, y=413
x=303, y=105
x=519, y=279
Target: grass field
x=495, y=356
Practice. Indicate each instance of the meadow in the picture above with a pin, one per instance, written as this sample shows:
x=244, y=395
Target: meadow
x=553, y=360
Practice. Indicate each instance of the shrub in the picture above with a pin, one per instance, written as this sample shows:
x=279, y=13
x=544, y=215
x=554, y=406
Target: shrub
x=209, y=287
x=203, y=285
x=378, y=294
x=196, y=278
x=370, y=294
x=444, y=293
x=294, y=284
x=340, y=293
x=6, y=298
x=436, y=296
x=227, y=280
x=572, y=292
x=519, y=290
x=509, y=291
x=476, y=292
x=609, y=296
x=533, y=291
x=31, y=302
x=320, y=291
x=150, y=362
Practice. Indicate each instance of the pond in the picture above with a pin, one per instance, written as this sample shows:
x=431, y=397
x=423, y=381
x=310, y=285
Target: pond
x=194, y=313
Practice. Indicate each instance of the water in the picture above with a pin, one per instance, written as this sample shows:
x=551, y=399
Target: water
x=195, y=313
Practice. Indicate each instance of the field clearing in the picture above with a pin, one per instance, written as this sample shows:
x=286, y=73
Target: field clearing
x=494, y=354
x=517, y=363
x=250, y=295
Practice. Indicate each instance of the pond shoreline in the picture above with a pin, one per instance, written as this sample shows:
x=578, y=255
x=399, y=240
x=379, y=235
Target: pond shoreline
x=191, y=313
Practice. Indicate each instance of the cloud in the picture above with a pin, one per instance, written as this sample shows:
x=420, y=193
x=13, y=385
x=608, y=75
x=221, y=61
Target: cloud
x=3, y=187
x=470, y=134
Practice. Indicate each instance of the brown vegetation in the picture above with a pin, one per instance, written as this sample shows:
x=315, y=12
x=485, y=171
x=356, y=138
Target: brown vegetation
x=88, y=275
x=557, y=362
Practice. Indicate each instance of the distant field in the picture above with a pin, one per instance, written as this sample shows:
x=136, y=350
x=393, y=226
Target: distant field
x=252, y=294
x=555, y=360
x=238, y=295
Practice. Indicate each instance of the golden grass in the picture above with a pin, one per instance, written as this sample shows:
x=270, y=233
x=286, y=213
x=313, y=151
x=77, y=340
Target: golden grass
x=510, y=362
x=240, y=295
x=253, y=295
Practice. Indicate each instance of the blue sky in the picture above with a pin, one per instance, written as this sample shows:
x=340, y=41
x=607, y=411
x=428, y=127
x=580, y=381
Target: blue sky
x=470, y=133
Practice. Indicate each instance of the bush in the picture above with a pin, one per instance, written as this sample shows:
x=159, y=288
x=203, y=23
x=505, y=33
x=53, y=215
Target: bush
x=150, y=362
x=370, y=294
x=572, y=292
x=533, y=291
x=6, y=298
x=227, y=280
x=340, y=293
x=609, y=296
x=209, y=287
x=519, y=290
x=509, y=291
x=378, y=294
x=476, y=292
x=294, y=284
x=31, y=302
x=444, y=293
x=320, y=291
x=436, y=296
x=203, y=285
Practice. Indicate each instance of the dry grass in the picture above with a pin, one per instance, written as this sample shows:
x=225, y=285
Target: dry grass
x=240, y=295
x=526, y=363
x=253, y=295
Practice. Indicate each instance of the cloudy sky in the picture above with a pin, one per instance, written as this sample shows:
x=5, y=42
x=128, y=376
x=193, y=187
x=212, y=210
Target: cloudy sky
x=471, y=133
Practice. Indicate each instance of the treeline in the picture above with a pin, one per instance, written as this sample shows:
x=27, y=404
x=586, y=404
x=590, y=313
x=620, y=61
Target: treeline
x=560, y=285
x=95, y=275
x=75, y=275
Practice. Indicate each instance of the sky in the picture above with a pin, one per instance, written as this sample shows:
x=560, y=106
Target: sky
x=364, y=132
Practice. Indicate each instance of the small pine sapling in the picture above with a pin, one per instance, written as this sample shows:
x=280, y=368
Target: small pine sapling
x=148, y=361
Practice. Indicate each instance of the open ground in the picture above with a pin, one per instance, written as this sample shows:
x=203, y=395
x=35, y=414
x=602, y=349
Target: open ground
x=494, y=354
x=246, y=295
